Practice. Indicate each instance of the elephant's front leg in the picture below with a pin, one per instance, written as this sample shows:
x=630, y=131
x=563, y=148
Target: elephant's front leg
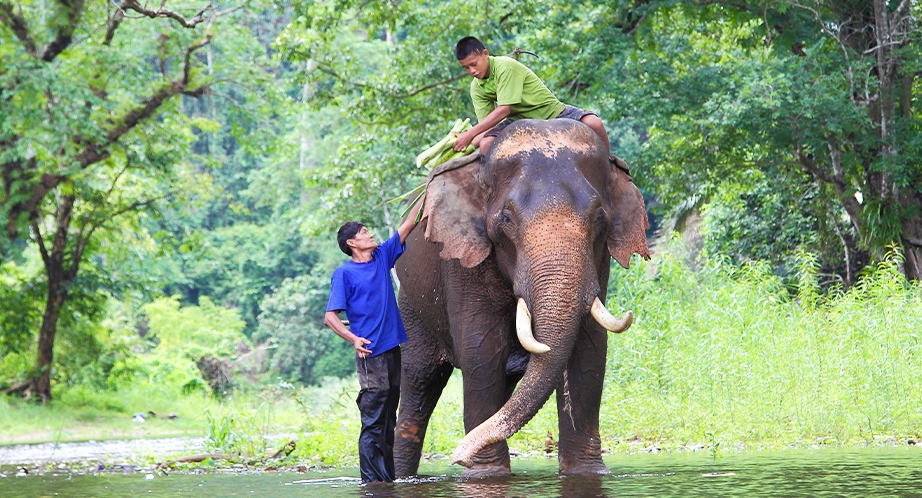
x=484, y=351
x=425, y=372
x=579, y=396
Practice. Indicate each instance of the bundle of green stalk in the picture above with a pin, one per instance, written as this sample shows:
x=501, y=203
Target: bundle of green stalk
x=444, y=150
x=439, y=153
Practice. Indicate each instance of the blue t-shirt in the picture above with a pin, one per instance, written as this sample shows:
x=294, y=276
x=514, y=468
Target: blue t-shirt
x=366, y=292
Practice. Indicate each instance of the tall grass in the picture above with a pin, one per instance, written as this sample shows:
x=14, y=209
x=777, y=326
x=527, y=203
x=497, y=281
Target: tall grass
x=731, y=355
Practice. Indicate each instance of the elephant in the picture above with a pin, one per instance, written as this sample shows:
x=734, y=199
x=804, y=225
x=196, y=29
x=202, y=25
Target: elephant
x=504, y=278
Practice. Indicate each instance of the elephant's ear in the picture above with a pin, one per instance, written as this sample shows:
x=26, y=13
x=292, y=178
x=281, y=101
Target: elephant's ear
x=627, y=215
x=455, y=205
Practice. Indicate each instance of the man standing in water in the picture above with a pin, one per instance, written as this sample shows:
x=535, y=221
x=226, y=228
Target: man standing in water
x=362, y=287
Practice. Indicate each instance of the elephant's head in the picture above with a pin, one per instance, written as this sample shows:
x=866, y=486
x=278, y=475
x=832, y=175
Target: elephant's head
x=553, y=209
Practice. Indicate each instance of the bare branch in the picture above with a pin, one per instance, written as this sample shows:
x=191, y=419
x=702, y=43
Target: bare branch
x=895, y=16
x=323, y=68
x=137, y=205
x=162, y=11
x=63, y=217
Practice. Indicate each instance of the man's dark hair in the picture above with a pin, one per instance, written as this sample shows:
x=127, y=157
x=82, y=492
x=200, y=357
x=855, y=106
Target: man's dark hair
x=467, y=46
x=346, y=232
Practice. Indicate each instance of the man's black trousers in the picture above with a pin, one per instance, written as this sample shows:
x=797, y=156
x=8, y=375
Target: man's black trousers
x=379, y=379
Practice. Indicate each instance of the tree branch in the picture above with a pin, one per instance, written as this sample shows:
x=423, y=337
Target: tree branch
x=430, y=86
x=73, y=10
x=327, y=70
x=81, y=240
x=41, y=242
x=30, y=205
x=18, y=26
x=63, y=218
x=112, y=24
x=105, y=196
x=895, y=15
x=95, y=152
x=191, y=22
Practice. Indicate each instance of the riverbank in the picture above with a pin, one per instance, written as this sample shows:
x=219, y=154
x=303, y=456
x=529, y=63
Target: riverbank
x=84, y=454
x=165, y=456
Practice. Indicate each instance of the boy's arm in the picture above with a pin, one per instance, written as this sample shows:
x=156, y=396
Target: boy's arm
x=331, y=319
x=492, y=119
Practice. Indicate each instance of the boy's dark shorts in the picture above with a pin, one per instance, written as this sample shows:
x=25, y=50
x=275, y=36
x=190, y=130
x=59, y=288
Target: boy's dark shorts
x=569, y=112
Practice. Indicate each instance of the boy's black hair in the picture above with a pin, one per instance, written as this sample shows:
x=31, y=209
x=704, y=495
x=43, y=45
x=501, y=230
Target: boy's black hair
x=467, y=46
x=346, y=232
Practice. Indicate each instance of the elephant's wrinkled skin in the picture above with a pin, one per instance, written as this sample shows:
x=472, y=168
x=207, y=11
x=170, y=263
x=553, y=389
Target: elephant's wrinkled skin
x=539, y=220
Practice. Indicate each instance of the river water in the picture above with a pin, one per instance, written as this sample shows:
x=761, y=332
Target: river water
x=877, y=472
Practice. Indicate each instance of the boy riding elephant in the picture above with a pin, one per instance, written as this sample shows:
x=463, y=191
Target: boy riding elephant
x=503, y=91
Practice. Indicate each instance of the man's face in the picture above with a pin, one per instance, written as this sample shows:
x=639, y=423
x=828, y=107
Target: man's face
x=477, y=64
x=363, y=240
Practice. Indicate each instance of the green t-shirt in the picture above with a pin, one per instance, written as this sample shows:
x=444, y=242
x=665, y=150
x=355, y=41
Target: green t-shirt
x=511, y=83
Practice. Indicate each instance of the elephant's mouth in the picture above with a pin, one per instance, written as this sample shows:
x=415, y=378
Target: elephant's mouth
x=598, y=311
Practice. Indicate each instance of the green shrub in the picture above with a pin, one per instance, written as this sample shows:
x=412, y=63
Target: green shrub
x=292, y=320
x=185, y=338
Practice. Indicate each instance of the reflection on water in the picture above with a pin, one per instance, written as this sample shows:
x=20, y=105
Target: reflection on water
x=895, y=472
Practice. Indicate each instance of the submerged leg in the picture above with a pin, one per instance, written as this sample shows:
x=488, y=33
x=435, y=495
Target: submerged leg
x=579, y=396
x=425, y=372
x=379, y=378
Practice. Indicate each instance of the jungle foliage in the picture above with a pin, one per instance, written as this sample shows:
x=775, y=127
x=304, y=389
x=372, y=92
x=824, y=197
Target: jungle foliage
x=187, y=160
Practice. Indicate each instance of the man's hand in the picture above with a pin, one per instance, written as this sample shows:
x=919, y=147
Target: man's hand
x=463, y=140
x=359, y=344
x=331, y=319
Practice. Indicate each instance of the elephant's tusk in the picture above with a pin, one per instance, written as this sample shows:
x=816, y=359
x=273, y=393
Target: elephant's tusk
x=608, y=321
x=523, y=330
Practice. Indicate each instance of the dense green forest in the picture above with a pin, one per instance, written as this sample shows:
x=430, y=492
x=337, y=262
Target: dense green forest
x=173, y=171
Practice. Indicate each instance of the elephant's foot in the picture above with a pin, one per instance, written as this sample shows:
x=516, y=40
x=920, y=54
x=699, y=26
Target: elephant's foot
x=486, y=470
x=492, y=461
x=583, y=467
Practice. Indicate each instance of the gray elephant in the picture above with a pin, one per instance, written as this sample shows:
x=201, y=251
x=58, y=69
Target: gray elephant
x=505, y=279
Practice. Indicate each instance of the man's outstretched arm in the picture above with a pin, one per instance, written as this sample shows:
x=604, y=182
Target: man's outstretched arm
x=410, y=222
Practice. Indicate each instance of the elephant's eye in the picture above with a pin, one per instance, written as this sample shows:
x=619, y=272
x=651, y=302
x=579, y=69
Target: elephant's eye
x=505, y=218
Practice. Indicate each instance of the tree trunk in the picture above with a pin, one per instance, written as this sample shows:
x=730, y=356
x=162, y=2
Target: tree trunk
x=41, y=384
x=58, y=282
x=912, y=239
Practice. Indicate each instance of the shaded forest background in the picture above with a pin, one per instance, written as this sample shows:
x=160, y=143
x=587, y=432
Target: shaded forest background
x=173, y=172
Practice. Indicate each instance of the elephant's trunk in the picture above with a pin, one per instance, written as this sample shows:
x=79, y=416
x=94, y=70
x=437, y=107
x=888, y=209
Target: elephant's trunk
x=560, y=300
